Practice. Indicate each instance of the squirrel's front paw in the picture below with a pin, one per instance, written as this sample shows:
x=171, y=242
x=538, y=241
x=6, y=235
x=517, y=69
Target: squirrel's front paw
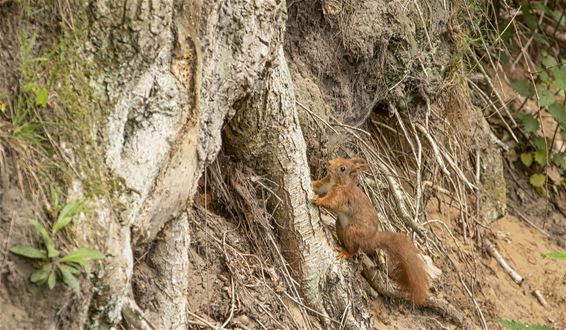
x=315, y=200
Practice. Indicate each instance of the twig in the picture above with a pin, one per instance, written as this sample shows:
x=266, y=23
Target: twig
x=477, y=306
x=231, y=306
x=350, y=127
x=455, y=267
x=435, y=150
x=458, y=171
x=343, y=320
x=424, y=24
x=314, y=114
x=135, y=316
x=505, y=108
x=495, y=254
x=478, y=197
x=540, y=297
x=203, y=321
x=310, y=309
x=486, y=99
x=438, y=188
x=524, y=218
x=419, y=170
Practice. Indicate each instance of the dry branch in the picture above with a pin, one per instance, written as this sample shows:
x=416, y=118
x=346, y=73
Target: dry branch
x=494, y=253
x=540, y=297
x=436, y=151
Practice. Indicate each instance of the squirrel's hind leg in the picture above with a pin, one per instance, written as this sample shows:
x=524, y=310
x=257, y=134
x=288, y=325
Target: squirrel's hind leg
x=343, y=254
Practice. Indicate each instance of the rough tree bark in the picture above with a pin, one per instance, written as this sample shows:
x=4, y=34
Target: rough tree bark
x=278, y=149
x=171, y=75
x=173, y=80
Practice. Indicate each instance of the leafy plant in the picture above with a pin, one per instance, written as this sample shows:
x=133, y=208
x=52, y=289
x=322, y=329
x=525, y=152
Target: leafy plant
x=537, y=154
x=53, y=267
x=515, y=325
x=538, y=22
x=560, y=255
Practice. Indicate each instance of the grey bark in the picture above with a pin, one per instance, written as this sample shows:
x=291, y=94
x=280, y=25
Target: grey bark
x=172, y=73
x=172, y=70
x=170, y=258
x=279, y=150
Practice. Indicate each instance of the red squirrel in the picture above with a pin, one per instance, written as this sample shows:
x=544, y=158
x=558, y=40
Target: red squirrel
x=357, y=226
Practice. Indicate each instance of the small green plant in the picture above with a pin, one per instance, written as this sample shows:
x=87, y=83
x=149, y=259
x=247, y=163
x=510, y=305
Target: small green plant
x=53, y=267
x=537, y=154
x=531, y=34
x=510, y=324
x=560, y=255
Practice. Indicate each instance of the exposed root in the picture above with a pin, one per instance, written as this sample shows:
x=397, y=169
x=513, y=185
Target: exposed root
x=377, y=281
x=135, y=316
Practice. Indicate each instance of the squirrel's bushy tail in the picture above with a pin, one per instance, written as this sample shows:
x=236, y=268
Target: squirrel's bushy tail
x=411, y=275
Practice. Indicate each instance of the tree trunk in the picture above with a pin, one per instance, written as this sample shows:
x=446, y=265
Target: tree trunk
x=176, y=81
x=278, y=150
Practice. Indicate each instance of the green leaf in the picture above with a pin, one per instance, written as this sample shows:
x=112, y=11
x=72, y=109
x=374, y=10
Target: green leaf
x=560, y=160
x=29, y=87
x=73, y=268
x=51, y=250
x=560, y=76
x=545, y=97
x=540, y=157
x=51, y=280
x=540, y=38
x=549, y=61
x=69, y=279
x=523, y=87
x=83, y=256
x=527, y=158
x=560, y=255
x=67, y=214
x=29, y=252
x=503, y=58
x=41, y=97
x=510, y=324
x=529, y=18
x=529, y=122
x=539, y=143
x=543, y=76
x=537, y=180
x=55, y=199
x=557, y=15
x=558, y=113
x=541, y=6
x=41, y=274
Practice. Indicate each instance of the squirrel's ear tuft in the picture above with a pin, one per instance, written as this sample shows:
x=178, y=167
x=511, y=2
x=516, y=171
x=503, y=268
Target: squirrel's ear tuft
x=359, y=163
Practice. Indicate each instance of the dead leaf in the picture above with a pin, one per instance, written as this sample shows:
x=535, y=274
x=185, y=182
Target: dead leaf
x=554, y=174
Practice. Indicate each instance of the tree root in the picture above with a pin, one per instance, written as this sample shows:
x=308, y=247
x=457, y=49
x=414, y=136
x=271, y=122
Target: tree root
x=440, y=306
x=135, y=316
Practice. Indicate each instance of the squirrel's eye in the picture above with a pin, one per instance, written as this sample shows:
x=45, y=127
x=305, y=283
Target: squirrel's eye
x=342, y=169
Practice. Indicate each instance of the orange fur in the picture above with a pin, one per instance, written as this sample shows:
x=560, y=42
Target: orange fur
x=357, y=225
